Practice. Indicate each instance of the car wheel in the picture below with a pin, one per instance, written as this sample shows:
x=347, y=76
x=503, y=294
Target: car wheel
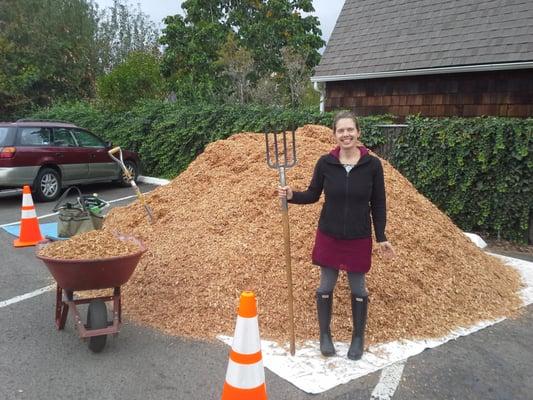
x=133, y=170
x=47, y=185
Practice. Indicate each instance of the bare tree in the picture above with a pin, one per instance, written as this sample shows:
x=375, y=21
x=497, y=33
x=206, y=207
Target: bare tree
x=238, y=64
x=123, y=29
x=297, y=74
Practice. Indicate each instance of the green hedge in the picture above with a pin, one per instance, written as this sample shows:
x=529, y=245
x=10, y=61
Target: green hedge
x=168, y=137
x=479, y=170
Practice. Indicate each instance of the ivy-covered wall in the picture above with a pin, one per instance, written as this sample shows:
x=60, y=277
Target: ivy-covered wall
x=168, y=137
x=479, y=170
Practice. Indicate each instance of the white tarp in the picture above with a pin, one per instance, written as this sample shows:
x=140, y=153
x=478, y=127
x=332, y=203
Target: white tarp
x=312, y=373
x=479, y=242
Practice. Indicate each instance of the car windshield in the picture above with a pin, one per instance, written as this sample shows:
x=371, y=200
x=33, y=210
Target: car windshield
x=3, y=137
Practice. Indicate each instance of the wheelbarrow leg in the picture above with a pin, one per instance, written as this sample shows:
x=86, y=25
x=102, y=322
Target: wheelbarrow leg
x=97, y=319
x=61, y=309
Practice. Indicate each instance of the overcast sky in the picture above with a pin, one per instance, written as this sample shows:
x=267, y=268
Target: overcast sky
x=327, y=11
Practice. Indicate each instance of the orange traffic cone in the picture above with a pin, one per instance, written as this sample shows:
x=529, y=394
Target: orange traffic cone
x=30, y=234
x=245, y=376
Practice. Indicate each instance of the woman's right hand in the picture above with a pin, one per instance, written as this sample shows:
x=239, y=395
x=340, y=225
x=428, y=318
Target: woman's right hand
x=285, y=192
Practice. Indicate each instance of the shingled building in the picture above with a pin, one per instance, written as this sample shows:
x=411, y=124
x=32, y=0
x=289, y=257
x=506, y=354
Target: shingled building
x=458, y=57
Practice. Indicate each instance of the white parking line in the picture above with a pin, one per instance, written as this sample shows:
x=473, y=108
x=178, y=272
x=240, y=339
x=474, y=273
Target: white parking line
x=122, y=198
x=10, y=192
x=26, y=296
x=388, y=382
x=52, y=214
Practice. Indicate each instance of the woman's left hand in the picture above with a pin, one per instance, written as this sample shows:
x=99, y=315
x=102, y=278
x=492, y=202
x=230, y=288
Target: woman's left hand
x=386, y=249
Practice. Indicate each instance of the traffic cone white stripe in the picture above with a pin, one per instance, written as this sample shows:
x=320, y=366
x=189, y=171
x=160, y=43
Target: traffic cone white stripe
x=245, y=376
x=246, y=339
x=27, y=200
x=28, y=214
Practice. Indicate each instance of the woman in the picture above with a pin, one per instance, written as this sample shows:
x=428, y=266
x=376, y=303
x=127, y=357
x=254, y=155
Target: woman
x=353, y=184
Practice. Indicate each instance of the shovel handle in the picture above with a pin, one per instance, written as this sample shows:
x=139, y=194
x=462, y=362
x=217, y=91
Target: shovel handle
x=119, y=161
x=114, y=150
x=127, y=173
x=142, y=201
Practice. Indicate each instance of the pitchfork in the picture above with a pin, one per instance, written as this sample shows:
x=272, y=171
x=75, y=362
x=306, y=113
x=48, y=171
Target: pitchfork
x=281, y=162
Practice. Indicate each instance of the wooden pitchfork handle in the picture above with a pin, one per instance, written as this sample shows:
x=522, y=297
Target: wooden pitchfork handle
x=287, y=243
x=281, y=161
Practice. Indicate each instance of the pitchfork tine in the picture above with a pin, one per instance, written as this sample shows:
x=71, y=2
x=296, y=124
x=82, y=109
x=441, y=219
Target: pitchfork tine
x=276, y=160
x=276, y=152
x=267, y=149
x=293, y=147
x=285, y=150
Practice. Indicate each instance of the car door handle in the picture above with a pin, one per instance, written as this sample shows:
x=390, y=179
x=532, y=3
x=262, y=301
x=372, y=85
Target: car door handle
x=59, y=154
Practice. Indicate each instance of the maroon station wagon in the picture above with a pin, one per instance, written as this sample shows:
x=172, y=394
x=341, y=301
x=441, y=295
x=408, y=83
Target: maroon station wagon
x=50, y=155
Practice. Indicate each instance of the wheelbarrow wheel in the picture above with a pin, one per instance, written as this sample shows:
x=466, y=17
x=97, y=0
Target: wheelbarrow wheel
x=97, y=319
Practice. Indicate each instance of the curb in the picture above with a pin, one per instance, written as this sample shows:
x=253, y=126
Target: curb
x=153, y=181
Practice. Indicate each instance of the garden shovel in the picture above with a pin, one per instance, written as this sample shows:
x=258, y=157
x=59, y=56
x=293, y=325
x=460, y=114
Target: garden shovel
x=127, y=173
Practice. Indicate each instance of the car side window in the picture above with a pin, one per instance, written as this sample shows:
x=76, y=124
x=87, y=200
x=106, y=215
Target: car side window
x=5, y=137
x=63, y=138
x=87, y=139
x=34, y=137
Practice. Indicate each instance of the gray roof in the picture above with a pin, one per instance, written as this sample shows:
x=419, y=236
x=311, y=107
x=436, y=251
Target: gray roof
x=373, y=36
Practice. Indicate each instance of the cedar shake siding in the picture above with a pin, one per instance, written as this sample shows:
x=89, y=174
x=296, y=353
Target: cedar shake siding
x=433, y=57
x=498, y=93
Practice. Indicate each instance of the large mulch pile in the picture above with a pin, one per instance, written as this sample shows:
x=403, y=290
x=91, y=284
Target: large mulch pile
x=218, y=232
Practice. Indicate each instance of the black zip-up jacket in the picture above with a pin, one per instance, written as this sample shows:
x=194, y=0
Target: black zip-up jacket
x=350, y=198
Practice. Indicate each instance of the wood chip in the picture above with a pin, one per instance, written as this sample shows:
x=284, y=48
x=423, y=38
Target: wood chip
x=218, y=232
x=89, y=246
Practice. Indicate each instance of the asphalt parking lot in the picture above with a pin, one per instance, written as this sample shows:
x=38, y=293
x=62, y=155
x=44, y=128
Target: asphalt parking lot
x=38, y=362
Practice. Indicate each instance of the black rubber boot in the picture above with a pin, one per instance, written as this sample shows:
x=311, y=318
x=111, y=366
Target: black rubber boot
x=359, y=312
x=324, y=303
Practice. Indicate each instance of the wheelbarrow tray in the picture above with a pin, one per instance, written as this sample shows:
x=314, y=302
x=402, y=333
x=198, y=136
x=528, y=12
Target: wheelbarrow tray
x=76, y=275
x=102, y=273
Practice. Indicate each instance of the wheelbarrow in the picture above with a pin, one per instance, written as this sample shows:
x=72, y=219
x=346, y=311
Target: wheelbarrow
x=78, y=275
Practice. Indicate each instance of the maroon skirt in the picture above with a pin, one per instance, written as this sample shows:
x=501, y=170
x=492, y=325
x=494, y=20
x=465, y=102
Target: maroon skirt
x=352, y=255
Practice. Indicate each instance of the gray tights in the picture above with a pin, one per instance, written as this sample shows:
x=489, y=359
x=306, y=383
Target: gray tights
x=328, y=279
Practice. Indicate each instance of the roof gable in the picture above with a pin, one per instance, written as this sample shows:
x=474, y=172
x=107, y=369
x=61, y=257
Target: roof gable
x=396, y=35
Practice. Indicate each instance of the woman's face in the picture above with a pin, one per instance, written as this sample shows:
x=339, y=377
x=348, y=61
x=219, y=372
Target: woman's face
x=346, y=134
